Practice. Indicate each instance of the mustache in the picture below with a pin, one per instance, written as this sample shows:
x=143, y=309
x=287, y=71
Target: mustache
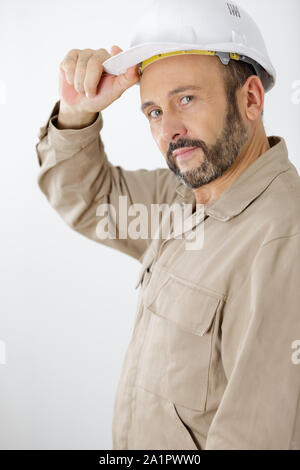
x=182, y=143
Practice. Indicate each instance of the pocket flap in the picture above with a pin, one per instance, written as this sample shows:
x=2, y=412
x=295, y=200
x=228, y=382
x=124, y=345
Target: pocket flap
x=191, y=307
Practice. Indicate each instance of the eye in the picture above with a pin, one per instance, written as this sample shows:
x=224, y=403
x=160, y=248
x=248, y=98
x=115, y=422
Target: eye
x=149, y=114
x=187, y=97
x=154, y=110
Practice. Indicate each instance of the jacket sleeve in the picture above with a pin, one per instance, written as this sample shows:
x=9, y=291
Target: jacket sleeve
x=260, y=407
x=82, y=185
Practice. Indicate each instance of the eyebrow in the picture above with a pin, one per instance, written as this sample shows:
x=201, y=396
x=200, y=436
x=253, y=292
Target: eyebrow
x=171, y=93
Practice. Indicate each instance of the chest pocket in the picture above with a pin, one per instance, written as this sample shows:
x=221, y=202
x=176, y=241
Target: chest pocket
x=176, y=353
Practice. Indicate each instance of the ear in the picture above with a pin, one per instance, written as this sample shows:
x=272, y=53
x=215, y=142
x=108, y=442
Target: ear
x=254, y=97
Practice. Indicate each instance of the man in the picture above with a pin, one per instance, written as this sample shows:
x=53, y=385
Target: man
x=213, y=360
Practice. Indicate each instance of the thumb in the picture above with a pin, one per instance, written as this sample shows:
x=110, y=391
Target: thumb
x=130, y=77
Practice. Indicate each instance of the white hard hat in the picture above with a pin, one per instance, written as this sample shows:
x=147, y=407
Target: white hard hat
x=210, y=27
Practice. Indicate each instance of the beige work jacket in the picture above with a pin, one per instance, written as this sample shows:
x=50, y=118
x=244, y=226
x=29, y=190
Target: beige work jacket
x=214, y=358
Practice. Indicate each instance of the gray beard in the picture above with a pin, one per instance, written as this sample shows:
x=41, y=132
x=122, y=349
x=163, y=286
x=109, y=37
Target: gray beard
x=217, y=158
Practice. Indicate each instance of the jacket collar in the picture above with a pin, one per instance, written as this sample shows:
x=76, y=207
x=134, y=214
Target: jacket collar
x=249, y=185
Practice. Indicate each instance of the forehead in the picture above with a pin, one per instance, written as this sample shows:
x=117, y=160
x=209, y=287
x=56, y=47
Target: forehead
x=170, y=74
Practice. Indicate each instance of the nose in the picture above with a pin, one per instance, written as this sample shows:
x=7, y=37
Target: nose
x=172, y=128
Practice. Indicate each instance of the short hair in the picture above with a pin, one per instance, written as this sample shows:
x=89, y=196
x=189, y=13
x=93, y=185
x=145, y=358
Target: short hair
x=235, y=75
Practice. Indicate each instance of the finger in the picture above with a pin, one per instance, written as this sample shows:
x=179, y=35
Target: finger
x=68, y=65
x=80, y=70
x=115, y=50
x=66, y=91
x=94, y=70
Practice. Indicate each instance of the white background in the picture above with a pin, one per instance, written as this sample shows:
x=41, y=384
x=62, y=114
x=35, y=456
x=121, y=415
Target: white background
x=67, y=303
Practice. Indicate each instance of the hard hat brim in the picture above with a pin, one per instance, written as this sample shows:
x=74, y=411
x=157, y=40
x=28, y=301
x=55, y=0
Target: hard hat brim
x=119, y=63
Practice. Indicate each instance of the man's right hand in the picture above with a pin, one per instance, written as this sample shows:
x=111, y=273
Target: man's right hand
x=85, y=89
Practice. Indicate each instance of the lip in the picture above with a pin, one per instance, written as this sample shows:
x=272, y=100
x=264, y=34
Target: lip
x=184, y=152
